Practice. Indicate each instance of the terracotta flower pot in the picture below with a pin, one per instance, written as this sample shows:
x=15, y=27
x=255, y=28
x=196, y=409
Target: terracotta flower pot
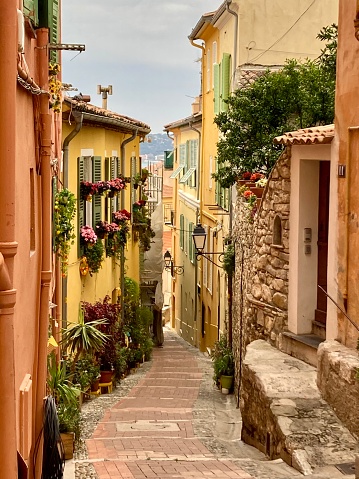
x=106, y=376
x=257, y=191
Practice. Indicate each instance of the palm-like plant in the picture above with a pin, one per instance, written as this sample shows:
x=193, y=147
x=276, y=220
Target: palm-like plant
x=84, y=337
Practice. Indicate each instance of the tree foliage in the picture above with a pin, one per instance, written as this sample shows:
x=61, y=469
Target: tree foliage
x=299, y=95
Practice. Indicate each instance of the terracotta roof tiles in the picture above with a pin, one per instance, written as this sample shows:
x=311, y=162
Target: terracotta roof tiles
x=307, y=136
x=110, y=115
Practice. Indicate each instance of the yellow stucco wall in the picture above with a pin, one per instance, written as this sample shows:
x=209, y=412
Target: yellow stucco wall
x=92, y=141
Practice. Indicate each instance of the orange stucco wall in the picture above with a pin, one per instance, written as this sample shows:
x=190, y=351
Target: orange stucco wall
x=347, y=124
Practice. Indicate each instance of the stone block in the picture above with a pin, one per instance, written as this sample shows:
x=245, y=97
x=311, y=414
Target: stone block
x=337, y=369
x=280, y=300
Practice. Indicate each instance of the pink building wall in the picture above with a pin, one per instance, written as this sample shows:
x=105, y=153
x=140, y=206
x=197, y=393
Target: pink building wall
x=27, y=147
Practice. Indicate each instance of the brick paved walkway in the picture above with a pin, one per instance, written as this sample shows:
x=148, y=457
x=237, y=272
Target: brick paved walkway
x=149, y=433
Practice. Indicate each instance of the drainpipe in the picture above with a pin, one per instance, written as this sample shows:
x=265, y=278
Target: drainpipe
x=8, y=246
x=230, y=278
x=46, y=240
x=122, y=265
x=65, y=148
x=235, y=41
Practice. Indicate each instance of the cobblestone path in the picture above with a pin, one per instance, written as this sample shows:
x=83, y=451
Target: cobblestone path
x=169, y=421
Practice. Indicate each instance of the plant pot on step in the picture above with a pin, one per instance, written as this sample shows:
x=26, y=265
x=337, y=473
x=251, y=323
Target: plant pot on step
x=68, y=441
x=226, y=382
x=257, y=191
x=106, y=376
x=95, y=385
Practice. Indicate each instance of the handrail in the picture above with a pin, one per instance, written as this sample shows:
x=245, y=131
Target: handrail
x=340, y=308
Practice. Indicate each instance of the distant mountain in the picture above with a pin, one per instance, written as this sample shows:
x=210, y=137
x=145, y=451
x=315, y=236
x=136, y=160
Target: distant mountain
x=157, y=144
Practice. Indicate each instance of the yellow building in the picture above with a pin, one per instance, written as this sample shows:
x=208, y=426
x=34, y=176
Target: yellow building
x=238, y=42
x=99, y=145
x=184, y=298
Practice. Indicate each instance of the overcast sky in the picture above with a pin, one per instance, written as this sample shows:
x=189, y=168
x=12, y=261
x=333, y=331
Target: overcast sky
x=140, y=47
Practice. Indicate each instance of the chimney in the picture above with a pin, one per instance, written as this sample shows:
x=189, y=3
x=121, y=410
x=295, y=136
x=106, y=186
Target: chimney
x=197, y=105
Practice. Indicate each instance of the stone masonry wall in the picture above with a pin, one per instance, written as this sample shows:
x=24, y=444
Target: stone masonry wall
x=260, y=299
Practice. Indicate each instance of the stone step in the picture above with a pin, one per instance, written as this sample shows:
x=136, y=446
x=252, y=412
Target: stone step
x=301, y=346
x=319, y=329
x=284, y=414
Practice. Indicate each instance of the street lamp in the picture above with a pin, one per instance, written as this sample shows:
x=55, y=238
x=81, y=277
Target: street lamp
x=169, y=266
x=199, y=236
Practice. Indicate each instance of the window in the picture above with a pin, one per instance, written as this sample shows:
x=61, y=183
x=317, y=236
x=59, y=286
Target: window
x=214, y=59
x=182, y=160
x=210, y=182
x=222, y=194
x=49, y=18
x=191, y=163
x=225, y=80
x=89, y=213
x=221, y=83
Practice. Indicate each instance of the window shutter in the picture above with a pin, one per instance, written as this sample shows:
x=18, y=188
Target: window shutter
x=208, y=62
x=81, y=202
x=118, y=173
x=31, y=11
x=225, y=83
x=168, y=163
x=96, y=201
x=217, y=187
x=133, y=172
x=183, y=154
x=216, y=83
x=182, y=231
x=190, y=242
x=49, y=17
x=108, y=215
x=210, y=265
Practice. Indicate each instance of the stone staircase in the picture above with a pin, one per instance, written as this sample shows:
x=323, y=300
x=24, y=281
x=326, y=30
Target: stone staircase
x=304, y=346
x=285, y=416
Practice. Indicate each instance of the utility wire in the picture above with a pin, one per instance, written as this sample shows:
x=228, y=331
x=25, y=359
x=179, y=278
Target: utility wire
x=284, y=34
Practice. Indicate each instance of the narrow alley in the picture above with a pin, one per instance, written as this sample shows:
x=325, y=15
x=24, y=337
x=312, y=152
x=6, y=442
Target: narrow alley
x=168, y=421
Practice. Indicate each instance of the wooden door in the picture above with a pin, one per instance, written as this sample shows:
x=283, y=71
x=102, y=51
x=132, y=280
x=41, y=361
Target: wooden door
x=323, y=226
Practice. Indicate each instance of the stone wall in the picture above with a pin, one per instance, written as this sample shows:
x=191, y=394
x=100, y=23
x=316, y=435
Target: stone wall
x=260, y=299
x=338, y=383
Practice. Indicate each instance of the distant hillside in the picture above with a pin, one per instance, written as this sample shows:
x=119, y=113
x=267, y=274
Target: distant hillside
x=159, y=143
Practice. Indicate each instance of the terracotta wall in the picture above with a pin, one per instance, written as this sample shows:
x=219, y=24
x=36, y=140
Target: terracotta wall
x=347, y=125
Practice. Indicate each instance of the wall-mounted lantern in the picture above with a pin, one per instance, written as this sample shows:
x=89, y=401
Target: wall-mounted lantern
x=169, y=266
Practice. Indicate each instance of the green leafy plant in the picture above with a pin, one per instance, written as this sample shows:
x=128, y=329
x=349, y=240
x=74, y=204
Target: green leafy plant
x=64, y=214
x=141, y=226
x=84, y=337
x=228, y=263
x=300, y=95
x=223, y=359
x=94, y=253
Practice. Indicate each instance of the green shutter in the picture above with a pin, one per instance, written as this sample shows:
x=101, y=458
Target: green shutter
x=96, y=200
x=54, y=192
x=181, y=231
x=168, y=163
x=81, y=202
x=225, y=83
x=107, y=203
x=216, y=83
x=31, y=11
x=49, y=17
x=190, y=242
x=182, y=160
x=113, y=167
x=118, y=173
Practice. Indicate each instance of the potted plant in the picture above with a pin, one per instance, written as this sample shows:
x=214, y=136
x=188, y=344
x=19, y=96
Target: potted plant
x=223, y=363
x=137, y=180
x=228, y=263
x=64, y=214
x=93, y=248
x=66, y=397
x=87, y=190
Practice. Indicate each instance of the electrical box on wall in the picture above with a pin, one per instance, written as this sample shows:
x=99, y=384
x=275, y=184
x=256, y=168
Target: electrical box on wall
x=307, y=235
